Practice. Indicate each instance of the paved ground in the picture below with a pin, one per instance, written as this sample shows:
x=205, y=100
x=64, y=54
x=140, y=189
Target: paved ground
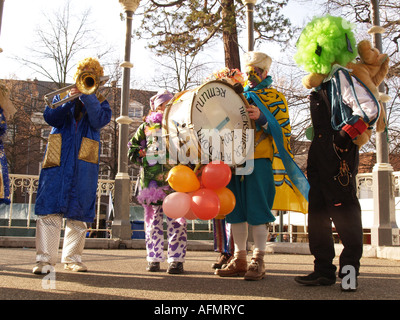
x=118, y=274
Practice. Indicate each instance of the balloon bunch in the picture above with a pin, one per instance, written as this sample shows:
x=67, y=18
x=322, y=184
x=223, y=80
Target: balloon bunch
x=205, y=198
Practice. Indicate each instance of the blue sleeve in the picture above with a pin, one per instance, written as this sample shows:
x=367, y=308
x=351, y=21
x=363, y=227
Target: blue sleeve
x=262, y=119
x=99, y=113
x=56, y=117
x=3, y=124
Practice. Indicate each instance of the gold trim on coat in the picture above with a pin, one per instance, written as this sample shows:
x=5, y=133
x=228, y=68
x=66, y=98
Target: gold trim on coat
x=53, y=152
x=89, y=151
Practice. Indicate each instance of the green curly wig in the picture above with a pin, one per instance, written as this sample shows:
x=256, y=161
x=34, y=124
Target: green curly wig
x=325, y=41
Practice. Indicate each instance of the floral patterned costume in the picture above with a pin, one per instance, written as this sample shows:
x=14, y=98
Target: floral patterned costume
x=153, y=189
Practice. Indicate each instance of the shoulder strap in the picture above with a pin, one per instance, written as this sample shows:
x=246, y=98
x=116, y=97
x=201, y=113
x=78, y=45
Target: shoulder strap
x=341, y=113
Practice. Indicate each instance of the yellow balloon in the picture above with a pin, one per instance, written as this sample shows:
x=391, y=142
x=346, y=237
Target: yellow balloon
x=182, y=179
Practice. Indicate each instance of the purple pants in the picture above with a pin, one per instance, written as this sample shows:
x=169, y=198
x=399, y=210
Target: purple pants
x=176, y=236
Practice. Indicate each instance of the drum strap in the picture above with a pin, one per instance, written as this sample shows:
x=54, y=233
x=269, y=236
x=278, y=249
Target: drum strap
x=261, y=138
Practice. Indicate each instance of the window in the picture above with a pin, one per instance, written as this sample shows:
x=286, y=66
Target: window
x=10, y=134
x=45, y=135
x=106, y=143
x=104, y=173
x=135, y=110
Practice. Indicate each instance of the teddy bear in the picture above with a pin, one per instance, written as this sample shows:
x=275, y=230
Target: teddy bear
x=371, y=69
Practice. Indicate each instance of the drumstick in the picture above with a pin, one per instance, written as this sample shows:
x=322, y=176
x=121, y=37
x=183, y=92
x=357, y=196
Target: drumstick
x=239, y=90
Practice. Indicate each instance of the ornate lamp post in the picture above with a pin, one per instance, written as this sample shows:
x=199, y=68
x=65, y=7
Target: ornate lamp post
x=121, y=227
x=250, y=22
x=384, y=231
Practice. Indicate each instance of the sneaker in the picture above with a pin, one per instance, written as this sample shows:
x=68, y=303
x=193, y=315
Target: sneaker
x=175, y=267
x=316, y=279
x=42, y=268
x=75, y=267
x=153, y=266
x=256, y=270
x=235, y=268
x=224, y=259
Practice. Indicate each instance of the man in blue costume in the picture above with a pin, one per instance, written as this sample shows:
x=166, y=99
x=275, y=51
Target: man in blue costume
x=275, y=183
x=69, y=175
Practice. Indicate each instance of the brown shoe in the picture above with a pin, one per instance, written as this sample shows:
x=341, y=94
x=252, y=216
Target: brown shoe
x=256, y=270
x=224, y=258
x=235, y=268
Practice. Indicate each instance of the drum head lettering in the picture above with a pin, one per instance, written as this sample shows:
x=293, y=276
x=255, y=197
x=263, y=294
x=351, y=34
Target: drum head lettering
x=213, y=119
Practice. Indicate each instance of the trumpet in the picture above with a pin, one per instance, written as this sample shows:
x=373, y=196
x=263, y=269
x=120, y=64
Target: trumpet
x=86, y=82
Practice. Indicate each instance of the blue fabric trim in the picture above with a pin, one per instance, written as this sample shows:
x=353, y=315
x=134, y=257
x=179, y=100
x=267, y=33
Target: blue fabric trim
x=293, y=171
x=262, y=85
x=342, y=114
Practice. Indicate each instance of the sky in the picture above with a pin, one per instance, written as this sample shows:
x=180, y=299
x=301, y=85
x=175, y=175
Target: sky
x=22, y=17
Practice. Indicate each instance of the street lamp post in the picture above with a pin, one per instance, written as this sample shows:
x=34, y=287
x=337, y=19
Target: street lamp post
x=250, y=22
x=384, y=231
x=121, y=227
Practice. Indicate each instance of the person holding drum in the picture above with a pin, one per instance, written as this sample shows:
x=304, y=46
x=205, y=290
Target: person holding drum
x=154, y=188
x=262, y=191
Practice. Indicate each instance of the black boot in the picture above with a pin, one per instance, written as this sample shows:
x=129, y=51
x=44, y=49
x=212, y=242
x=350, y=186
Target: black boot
x=316, y=279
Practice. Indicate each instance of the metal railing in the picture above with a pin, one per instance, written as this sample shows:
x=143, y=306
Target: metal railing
x=26, y=186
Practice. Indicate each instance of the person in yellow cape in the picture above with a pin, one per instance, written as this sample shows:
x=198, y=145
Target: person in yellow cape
x=276, y=181
x=291, y=186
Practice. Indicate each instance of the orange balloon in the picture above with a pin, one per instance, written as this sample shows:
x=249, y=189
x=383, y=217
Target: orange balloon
x=182, y=179
x=227, y=201
x=219, y=217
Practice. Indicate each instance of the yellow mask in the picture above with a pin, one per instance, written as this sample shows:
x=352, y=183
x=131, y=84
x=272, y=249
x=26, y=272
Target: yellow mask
x=254, y=76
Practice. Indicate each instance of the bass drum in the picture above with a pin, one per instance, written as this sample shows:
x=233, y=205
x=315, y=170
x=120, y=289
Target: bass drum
x=209, y=123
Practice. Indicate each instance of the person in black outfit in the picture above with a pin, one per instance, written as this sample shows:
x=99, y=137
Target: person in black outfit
x=332, y=195
x=342, y=109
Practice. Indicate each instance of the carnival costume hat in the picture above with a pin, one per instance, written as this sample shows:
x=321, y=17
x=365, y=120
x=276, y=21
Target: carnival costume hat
x=258, y=59
x=158, y=99
x=89, y=63
x=325, y=41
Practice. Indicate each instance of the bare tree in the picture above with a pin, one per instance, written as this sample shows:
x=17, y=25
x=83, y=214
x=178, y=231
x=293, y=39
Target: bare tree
x=179, y=72
x=196, y=24
x=24, y=142
x=60, y=43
